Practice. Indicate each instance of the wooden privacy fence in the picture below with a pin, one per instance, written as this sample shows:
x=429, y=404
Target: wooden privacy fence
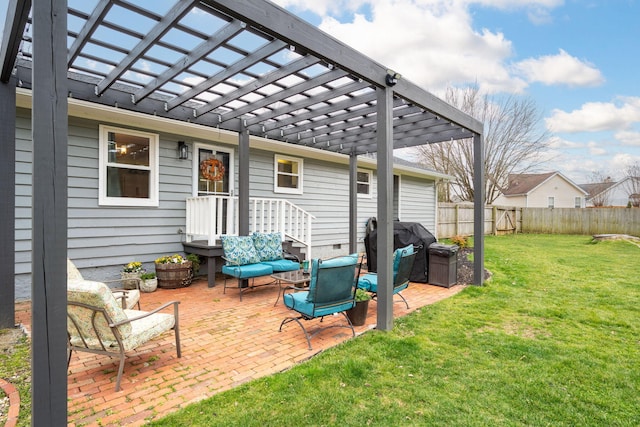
x=457, y=219
x=581, y=221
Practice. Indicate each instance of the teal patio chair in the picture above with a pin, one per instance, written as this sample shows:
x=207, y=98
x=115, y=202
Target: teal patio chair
x=403, y=259
x=331, y=290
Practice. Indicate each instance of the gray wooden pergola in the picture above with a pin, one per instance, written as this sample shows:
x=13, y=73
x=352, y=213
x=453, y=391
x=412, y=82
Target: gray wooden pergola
x=246, y=66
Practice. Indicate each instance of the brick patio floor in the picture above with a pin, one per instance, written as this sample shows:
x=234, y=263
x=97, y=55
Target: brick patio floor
x=225, y=343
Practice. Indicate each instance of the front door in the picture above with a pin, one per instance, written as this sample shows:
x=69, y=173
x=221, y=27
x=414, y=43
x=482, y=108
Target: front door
x=213, y=173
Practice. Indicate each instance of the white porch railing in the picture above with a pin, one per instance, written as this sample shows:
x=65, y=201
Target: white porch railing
x=208, y=217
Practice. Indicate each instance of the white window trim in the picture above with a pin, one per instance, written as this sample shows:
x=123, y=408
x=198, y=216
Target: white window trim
x=196, y=165
x=370, y=193
x=103, y=147
x=551, y=202
x=276, y=188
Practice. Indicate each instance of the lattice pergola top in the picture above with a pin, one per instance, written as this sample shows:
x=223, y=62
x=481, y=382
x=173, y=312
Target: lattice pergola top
x=239, y=65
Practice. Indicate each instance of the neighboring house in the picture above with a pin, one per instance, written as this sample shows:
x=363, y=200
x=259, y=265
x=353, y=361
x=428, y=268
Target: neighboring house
x=544, y=190
x=610, y=193
x=127, y=187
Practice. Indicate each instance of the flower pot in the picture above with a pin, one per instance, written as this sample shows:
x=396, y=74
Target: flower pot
x=171, y=276
x=148, y=285
x=130, y=280
x=358, y=314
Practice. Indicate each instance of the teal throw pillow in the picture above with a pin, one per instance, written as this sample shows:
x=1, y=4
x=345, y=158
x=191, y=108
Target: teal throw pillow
x=268, y=246
x=239, y=250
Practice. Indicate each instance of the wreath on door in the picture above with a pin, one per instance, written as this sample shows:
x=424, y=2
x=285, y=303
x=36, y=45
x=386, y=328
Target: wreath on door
x=212, y=169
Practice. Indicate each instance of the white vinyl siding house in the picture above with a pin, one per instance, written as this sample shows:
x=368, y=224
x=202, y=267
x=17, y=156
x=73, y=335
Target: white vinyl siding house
x=102, y=238
x=547, y=190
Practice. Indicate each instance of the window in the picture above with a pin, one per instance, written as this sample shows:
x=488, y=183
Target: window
x=552, y=202
x=288, y=175
x=578, y=202
x=128, y=167
x=364, y=183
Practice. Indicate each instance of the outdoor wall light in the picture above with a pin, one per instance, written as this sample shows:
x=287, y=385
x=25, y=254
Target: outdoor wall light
x=392, y=78
x=183, y=150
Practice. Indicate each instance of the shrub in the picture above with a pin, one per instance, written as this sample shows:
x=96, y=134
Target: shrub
x=461, y=241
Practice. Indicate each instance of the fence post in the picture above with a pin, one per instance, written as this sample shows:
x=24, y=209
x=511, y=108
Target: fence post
x=457, y=213
x=494, y=219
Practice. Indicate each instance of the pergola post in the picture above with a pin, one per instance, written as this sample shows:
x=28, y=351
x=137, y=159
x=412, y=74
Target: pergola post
x=353, y=203
x=49, y=238
x=8, y=205
x=243, y=180
x=478, y=209
x=385, y=208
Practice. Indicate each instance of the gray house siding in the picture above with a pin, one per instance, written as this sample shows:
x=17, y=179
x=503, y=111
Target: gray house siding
x=103, y=238
x=418, y=201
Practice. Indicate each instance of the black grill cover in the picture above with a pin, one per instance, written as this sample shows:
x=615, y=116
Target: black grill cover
x=404, y=233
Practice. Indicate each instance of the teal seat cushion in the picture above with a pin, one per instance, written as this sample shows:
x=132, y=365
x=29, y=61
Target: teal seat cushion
x=247, y=271
x=369, y=282
x=298, y=302
x=281, y=265
x=239, y=250
x=268, y=246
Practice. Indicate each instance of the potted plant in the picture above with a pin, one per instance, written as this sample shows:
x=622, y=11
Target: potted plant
x=195, y=263
x=130, y=275
x=148, y=282
x=358, y=314
x=173, y=271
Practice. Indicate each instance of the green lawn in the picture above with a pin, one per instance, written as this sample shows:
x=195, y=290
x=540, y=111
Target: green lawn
x=552, y=340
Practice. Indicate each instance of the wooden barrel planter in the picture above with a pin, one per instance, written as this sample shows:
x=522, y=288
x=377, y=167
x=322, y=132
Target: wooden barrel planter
x=172, y=276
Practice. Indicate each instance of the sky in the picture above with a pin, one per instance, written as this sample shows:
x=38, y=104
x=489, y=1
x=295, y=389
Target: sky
x=579, y=60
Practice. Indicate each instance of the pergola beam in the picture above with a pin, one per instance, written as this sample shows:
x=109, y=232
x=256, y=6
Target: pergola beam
x=15, y=22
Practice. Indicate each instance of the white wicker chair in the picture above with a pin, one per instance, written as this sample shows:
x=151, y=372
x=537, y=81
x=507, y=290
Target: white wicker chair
x=128, y=298
x=97, y=323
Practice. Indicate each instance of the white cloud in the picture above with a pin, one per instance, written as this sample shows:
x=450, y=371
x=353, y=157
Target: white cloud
x=435, y=45
x=628, y=138
x=409, y=37
x=560, y=69
x=596, y=149
x=560, y=144
x=596, y=116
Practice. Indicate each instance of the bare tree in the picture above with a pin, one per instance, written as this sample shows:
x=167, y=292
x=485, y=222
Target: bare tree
x=512, y=142
x=599, y=182
x=632, y=184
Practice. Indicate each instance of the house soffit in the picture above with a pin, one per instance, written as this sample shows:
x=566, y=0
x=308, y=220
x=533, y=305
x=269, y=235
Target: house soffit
x=238, y=66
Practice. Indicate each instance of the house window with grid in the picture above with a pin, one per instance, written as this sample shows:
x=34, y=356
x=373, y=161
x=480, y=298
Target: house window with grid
x=578, y=202
x=551, y=202
x=128, y=162
x=288, y=175
x=364, y=183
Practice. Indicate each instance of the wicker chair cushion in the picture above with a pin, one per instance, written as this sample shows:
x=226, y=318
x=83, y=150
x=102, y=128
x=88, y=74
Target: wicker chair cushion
x=95, y=294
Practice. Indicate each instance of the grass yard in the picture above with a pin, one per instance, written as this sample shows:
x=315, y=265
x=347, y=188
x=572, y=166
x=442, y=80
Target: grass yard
x=553, y=339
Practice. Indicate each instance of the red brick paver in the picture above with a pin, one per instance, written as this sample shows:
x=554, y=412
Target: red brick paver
x=225, y=343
